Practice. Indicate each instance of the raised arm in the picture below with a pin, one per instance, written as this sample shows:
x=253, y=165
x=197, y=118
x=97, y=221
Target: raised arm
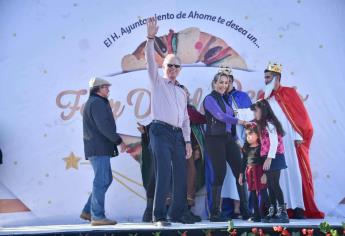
x=152, y=67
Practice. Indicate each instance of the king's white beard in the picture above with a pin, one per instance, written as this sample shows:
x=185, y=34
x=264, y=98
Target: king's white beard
x=269, y=88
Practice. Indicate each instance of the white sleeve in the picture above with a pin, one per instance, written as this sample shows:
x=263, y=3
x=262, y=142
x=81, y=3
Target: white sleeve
x=152, y=67
x=273, y=136
x=186, y=126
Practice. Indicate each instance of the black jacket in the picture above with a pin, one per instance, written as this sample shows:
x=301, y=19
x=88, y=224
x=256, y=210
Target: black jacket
x=214, y=126
x=99, y=128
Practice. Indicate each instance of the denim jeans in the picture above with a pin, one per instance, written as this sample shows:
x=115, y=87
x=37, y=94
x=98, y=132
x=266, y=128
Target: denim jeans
x=169, y=152
x=101, y=182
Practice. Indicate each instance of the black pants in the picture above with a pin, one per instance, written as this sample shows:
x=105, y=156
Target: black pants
x=274, y=191
x=222, y=149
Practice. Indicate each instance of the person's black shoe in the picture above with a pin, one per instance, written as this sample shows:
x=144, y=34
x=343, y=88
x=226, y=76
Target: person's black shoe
x=236, y=216
x=270, y=215
x=218, y=218
x=196, y=218
x=298, y=213
x=186, y=218
x=162, y=223
x=245, y=217
x=281, y=216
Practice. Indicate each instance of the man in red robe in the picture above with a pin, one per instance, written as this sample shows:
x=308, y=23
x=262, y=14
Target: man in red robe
x=296, y=181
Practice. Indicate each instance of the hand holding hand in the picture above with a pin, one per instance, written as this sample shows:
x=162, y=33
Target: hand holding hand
x=123, y=147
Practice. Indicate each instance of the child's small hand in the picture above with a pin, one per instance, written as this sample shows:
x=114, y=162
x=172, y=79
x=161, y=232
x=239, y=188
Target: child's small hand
x=263, y=179
x=267, y=164
x=240, y=179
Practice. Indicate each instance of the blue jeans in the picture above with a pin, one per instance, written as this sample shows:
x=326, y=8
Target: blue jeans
x=101, y=182
x=169, y=152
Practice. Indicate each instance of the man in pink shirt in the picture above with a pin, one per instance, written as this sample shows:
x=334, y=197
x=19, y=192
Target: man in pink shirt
x=169, y=133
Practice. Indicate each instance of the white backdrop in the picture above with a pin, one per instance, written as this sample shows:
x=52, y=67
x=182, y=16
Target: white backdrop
x=50, y=49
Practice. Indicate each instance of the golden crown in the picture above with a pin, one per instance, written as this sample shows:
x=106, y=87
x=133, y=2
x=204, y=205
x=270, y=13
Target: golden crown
x=274, y=67
x=225, y=70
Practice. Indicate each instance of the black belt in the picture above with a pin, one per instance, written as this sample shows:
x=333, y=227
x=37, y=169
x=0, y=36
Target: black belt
x=174, y=128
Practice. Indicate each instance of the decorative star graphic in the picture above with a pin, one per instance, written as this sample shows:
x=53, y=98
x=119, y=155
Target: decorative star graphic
x=72, y=161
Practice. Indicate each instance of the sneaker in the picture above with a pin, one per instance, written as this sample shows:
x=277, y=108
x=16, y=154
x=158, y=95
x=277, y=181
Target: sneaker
x=254, y=219
x=104, y=221
x=85, y=216
x=162, y=223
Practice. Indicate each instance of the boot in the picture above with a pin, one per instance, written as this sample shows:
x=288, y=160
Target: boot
x=242, y=192
x=215, y=214
x=147, y=216
x=270, y=215
x=281, y=216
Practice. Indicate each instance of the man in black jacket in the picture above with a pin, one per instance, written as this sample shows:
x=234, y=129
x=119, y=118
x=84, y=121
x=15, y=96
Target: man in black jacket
x=100, y=144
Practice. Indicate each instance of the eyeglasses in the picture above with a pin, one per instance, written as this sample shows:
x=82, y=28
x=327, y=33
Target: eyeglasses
x=174, y=65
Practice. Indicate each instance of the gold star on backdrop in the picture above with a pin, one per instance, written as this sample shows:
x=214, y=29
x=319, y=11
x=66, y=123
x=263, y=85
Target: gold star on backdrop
x=72, y=161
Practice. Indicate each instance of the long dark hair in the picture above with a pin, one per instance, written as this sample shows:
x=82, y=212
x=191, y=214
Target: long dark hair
x=267, y=115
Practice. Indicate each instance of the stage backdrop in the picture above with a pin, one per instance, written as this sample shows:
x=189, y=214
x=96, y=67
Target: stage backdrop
x=50, y=49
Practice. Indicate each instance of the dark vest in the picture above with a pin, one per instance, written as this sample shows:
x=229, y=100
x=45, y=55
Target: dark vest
x=214, y=126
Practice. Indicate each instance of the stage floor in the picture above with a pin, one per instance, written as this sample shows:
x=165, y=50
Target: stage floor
x=138, y=227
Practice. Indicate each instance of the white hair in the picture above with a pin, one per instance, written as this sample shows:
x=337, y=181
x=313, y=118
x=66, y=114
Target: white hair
x=169, y=57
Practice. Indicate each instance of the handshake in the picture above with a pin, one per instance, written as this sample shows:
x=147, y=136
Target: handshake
x=123, y=147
